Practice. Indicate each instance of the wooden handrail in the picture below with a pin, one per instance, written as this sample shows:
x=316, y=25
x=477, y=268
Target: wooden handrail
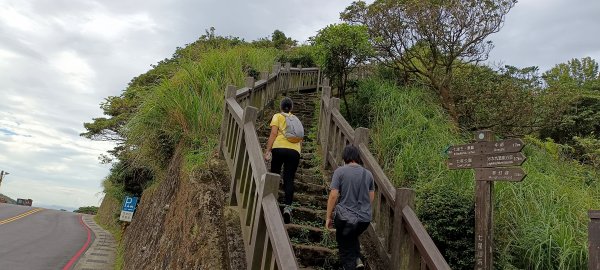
x=253, y=189
x=401, y=240
x=430, y=253
x=594, y=240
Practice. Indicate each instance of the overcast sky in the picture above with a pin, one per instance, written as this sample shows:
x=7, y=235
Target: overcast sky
x=60, y=58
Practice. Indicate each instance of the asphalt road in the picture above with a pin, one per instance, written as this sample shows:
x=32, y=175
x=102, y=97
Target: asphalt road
x=33, y=238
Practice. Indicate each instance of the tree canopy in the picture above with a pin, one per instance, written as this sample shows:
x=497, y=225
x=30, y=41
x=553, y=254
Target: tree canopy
x=339, y=49
x=429, y=37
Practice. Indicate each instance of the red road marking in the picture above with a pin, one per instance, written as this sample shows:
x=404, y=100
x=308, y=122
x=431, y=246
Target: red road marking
x=85, y=246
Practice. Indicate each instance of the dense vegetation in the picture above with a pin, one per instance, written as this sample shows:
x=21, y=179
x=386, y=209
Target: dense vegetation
x=539, y=223
x=90, y=210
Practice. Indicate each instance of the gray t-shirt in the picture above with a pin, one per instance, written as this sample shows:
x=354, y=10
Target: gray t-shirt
x=354, y=183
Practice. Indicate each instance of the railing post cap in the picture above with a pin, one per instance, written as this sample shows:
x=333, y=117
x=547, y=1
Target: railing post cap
x=250, y=82
x=594, y=214
x=230, y=91
x=250, y=114
x=326, y=91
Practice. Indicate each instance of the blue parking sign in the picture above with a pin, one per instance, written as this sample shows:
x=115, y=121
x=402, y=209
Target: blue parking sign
x=129, y=204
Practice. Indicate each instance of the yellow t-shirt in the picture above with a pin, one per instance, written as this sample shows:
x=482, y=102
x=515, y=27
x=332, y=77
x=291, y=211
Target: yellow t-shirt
x=281, y=142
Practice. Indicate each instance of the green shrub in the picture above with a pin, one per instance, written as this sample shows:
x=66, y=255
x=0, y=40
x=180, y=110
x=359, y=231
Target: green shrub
x=302, y=55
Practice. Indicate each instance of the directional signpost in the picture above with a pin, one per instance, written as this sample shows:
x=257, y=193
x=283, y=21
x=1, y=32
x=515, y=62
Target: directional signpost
x=129, y=205
x=490, y=159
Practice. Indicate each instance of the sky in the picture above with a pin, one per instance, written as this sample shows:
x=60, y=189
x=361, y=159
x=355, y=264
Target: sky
x=59, y=59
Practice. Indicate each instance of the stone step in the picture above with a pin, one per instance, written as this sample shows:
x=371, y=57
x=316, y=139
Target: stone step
x=310, y=188
x=307, y=216
x=307, y=200
x=309, y=235
x=308, y=255
x=315, y=179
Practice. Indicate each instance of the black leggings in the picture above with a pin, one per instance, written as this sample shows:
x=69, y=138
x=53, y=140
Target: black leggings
x=290, y=159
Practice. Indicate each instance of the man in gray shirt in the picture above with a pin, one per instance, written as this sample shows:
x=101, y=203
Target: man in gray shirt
x=353, y=185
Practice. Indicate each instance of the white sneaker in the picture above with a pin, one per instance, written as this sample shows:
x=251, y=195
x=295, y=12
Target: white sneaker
x=359, y=264
x=287, y=214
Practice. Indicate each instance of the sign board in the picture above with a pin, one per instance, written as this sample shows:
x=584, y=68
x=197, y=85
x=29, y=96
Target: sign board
x=129, y=205
x=487, y=161
x=500, y=174
x=494, y=147
x=490, y=160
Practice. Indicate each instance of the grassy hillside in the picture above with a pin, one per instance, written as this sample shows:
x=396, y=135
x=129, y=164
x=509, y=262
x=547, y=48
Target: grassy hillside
x=7, y=199
x=167, y=124
x=540, y=223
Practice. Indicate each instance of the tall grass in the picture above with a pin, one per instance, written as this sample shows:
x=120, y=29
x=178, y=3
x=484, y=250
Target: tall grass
x=184, y=112
x=540, y=223
x=543, y=220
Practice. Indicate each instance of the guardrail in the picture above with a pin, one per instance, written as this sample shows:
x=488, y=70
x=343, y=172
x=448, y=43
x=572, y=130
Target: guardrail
x=402, y=241
x=253, y=188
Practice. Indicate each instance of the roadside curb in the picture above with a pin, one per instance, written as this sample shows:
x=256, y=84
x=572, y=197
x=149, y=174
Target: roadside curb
x=101, y=253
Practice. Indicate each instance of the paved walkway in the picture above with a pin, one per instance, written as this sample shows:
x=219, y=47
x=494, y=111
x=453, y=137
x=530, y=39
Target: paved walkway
x=101, y=254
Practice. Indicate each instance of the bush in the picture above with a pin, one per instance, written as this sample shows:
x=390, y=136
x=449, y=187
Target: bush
x=303, y=56
x=90, y=210
x=449, y=217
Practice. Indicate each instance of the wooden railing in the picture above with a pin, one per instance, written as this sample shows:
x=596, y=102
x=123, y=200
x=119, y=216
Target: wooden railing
x=594, y=240
x=253, y=188
x=401, y=239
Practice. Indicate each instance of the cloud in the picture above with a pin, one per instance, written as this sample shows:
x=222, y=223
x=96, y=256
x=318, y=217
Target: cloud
x=7, y=132
x=547, y=32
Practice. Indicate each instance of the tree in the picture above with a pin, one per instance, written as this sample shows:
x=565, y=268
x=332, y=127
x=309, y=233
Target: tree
x=280, y=41
x=575, y=73
x=427, y=37
x=339, y=49
x=576, y=84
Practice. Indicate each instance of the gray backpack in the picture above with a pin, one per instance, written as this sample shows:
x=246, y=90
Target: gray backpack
x=294, y=131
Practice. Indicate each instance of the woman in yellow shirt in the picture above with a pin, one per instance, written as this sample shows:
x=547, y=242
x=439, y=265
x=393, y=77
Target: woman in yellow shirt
x=283, y=152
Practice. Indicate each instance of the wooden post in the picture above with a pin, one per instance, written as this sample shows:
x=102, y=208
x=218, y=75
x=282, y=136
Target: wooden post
x=361, y=136
x=594, y=240
x=334, y=104
x=402, y=250
x=299, y=78
x=484, y=217
x=326, y=81
x=229, y=93
x=319, y=87
x=250, y=84
x=325, y=94
x=269, y=184
x=288, y=77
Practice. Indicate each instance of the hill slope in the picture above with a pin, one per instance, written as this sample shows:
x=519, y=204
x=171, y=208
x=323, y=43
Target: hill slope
x=4, y=198
x=540, y=223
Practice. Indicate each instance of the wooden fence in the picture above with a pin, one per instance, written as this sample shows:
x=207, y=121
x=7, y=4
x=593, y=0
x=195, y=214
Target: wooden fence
x=253, y=188
x=402, y=241
x=594, y=240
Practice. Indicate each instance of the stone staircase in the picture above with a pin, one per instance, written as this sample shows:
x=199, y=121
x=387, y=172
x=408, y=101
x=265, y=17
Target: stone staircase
x=314, y=247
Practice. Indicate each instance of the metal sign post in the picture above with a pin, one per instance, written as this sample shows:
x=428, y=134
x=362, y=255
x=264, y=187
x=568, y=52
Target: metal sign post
x=129, y=205
x=489, y=158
